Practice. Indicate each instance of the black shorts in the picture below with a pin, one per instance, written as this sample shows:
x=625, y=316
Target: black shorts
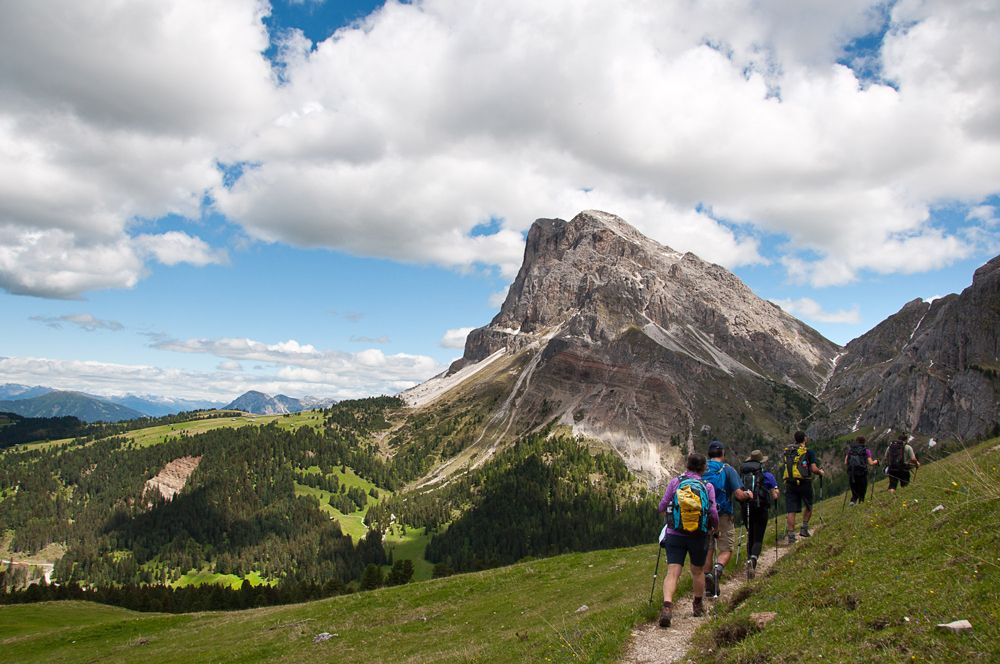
x=798, y=495
x=901, y=476
x=679, y=546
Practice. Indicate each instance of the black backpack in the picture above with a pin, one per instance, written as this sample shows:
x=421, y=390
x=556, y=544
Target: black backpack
x=857, y=460
x=895, y=456
x=752, y=475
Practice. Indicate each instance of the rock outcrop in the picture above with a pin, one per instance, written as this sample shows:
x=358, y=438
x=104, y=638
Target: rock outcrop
x=933, y=368
x=173, y=477
x=644, y=348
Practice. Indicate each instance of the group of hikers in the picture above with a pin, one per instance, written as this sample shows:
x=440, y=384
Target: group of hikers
x=698, y=507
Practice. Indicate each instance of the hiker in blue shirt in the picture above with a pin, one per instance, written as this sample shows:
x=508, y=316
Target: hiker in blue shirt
x=728, y=487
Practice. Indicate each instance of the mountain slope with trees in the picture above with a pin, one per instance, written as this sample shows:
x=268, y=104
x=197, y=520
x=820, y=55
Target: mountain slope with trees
x=870, y=586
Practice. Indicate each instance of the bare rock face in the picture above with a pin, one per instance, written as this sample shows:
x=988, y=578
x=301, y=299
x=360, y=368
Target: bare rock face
x=933, y=368
x=172, y=478
x=642, y=347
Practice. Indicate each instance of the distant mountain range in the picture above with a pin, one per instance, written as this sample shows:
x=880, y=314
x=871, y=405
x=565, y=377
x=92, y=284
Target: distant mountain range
x=12, y=391
x=81, y=406
x=40, y=401
x=259, y=403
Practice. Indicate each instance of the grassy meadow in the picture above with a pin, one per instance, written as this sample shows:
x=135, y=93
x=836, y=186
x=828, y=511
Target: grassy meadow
x=874, y=582
x=870, y=585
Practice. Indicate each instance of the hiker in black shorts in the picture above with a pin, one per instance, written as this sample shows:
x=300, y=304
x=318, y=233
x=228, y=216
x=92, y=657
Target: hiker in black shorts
x=682, y=543
x=799, y=469
x=899, y=459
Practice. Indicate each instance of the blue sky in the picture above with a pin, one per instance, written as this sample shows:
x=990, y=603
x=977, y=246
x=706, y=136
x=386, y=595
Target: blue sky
x=842, y=160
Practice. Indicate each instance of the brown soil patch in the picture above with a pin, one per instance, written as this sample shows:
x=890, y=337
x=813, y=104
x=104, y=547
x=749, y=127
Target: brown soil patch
x=173, y=477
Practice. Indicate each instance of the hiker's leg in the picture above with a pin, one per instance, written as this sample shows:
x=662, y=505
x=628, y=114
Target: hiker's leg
x=670, y=581
x=793, y=505
x=726, y=539
x=698, y=550
x=862, y=488
x=698, y=580
x=806, y=497
x=758, y=524
x=676, y=547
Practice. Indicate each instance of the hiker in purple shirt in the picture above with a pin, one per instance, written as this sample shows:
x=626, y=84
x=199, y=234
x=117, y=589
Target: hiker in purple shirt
x=680, y=544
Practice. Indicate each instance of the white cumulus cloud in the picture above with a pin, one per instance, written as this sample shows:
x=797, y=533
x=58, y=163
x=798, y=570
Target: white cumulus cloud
x=455, y=338
x=811, y=310
x=710, y=126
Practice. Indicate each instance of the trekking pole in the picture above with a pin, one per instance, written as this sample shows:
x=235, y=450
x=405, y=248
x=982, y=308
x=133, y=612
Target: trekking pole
x=656, y=571
x=739, y=544
x=821, y=494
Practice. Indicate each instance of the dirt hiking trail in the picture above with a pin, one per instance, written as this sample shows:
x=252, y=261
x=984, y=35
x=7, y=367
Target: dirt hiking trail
x=652, y=644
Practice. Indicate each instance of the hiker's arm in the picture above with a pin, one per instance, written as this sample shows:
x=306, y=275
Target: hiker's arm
x=713, y=509
x=740, y=492
x=668, y=495
x=816, y=469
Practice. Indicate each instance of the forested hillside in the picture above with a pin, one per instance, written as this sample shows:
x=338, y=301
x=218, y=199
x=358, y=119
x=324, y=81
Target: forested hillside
x=278, y=504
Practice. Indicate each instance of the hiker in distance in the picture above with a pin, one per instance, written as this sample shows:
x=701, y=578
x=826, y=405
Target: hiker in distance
x=762, y=488
x=899, y=459
x=728, y=486
x=799, y=469
x=691, y=515
x=858, y=461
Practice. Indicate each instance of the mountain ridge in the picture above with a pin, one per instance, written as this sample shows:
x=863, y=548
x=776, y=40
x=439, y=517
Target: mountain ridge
x=932, y=368
x=625, y=341
x=59, y=403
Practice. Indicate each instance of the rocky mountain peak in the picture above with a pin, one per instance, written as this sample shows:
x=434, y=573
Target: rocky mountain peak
x=632, y=343
x=594, y=277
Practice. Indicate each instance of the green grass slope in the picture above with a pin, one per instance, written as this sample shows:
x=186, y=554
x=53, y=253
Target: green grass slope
x=525, y=612
x=872, y=584
x=869, y=586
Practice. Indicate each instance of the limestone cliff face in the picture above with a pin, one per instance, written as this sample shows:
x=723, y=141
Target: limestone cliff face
x=632, y=343
x=933, y=368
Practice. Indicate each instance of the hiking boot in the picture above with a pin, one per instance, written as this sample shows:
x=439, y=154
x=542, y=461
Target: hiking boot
x=804, y=532
x=791, y=538
x=666, y=613
x=717, y=579
x=751, y=568
x=698, y=608
x=710, y=584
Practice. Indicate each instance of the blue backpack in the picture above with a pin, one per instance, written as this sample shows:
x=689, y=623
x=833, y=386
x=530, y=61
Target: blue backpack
x=716, y=475
x=690, y=506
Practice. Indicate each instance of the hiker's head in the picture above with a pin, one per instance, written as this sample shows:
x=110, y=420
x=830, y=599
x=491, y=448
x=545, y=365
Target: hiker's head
x=696, y=462
x=716, y=450
x=903, y=437
x=860, y=440
x=757, y=456
x=800, y=437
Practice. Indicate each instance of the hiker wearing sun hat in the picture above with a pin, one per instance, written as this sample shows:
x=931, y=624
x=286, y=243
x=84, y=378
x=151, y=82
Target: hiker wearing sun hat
x=763, y=490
